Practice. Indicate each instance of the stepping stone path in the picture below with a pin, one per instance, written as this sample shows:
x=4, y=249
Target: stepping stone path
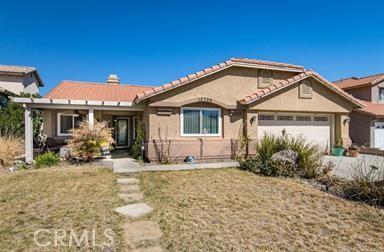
x=140, y=235
x=135, y=210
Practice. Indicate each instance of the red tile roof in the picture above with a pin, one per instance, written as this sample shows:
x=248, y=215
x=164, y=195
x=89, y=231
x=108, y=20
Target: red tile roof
x=216, y=68
x=355, y=82
x=308, y=73
x=373, y=109
x=77, y=90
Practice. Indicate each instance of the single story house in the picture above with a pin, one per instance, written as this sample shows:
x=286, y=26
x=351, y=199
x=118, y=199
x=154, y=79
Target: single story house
x=203, y=113
x=18, y=79
x=367, y=124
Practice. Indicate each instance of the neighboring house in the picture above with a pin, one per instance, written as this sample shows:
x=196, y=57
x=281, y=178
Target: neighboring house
x=202, y=113
x=367, y=124
x=18, y=79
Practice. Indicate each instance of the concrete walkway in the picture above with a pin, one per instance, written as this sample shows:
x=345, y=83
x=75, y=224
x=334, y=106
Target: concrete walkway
x=344, y=166
x=130, y=165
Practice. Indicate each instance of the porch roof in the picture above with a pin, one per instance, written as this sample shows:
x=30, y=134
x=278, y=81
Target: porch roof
x=72, y=104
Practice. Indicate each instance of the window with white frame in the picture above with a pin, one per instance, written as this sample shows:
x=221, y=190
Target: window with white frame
x=66, y=123
x=200, y=121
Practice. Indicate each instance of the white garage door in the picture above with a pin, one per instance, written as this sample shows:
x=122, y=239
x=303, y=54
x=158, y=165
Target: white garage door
x=379, y=135
x=314, y=128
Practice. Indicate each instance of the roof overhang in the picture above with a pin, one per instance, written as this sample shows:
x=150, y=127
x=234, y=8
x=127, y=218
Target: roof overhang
x=32, y=70
x=76, y=104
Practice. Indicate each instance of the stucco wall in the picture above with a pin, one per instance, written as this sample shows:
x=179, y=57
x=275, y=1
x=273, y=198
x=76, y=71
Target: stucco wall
x=363, y=93
x=323, y=100
x=227, y=86
x=17, y=84
x=360, y=128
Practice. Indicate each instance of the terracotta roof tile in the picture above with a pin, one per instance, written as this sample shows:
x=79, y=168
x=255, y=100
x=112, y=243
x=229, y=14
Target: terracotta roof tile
x=355, y=82
x=266, y=63
x=77, y=90
x=373, y=109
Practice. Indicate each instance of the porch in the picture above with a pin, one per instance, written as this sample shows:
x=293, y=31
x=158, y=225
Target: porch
x=61, y=116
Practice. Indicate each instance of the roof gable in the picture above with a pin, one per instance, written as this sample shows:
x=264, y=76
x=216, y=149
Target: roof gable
x=243, y=62
x=300, y=77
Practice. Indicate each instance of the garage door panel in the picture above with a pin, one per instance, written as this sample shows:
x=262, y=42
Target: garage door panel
x=316, y=132
x=379, y=135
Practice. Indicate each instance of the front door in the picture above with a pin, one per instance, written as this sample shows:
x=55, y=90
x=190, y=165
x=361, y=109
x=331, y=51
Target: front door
x=121, y=135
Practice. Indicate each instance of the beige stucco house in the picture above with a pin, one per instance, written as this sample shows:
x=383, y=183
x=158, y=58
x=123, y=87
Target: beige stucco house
x=18, y=79
x=367, y=124
x=203, y=113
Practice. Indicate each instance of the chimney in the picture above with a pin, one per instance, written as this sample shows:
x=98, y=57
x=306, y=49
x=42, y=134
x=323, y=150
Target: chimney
x=113, y=79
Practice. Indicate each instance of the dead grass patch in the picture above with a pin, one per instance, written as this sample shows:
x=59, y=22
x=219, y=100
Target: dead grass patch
x=81, y=198
x=230, y=209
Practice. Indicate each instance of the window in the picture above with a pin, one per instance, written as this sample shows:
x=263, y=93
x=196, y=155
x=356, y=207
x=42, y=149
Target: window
x=200, y=122
x=284, y=118
x=320, y=119
x=303, y=118
x=266, y=117
x=66, y=123
x=305, y=90
x=381, y=94
x=265, y=79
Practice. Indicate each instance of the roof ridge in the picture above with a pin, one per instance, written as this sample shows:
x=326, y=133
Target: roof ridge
x=265, y=62
x=18, y=66
x=358, y=78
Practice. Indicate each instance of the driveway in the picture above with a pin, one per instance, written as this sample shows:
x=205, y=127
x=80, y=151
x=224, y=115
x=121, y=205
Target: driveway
x=344, y=167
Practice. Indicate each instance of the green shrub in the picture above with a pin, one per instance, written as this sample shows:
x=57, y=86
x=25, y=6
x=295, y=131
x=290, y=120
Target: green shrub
x=136, y=147
x=47, y=159
x=308, y=162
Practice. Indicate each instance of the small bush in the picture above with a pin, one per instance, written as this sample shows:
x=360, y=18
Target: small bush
x=136, y=148
x=47, y=159
x=86, y=141
x=10, y=148
x=367, y=184
x=308, y=163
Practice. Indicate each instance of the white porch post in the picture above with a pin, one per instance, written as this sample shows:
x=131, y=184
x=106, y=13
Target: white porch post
x=28, y=135
x=91, y=117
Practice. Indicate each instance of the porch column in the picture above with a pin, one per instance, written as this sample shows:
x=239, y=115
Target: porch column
x=28, y=134
x=91, y=117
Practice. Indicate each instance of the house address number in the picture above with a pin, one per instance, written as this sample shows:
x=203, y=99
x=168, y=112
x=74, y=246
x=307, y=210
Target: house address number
x=204, y=99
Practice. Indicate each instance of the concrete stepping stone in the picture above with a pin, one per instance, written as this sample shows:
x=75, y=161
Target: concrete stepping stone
x=130, y=188
x=131, y=197
x=135, y=210
x=128, y=181
x=150, y=249
x=142, y=234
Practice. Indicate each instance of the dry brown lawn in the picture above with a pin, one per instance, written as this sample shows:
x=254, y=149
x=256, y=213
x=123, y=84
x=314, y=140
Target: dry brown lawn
x=233, y=210
x=80, y=199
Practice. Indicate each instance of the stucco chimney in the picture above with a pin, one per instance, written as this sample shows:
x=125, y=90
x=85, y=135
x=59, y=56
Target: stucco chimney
x=113, y=79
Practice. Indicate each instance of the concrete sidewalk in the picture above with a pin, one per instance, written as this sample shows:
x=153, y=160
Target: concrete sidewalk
x=130, y=165
x=344, y=166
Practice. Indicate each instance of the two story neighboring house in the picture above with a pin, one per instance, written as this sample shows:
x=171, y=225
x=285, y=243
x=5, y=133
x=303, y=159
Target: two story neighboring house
x=18, y=79
x=367, y=124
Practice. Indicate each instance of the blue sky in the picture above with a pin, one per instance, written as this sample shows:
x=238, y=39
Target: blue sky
x=152, y=42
